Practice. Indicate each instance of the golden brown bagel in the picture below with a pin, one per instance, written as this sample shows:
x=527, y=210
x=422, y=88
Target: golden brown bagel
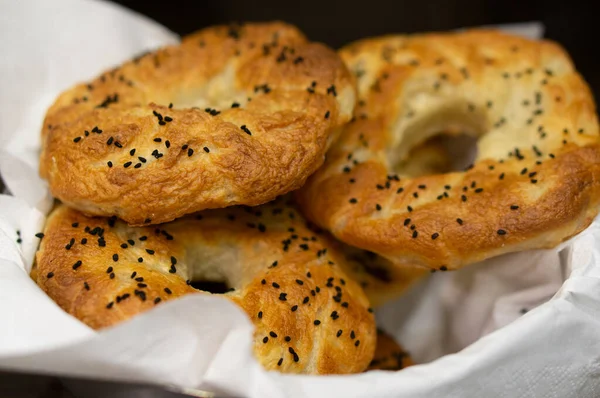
x=233, y=115
x=534, y=182
x=379, y=278
x=389, y=355
x=309, y=316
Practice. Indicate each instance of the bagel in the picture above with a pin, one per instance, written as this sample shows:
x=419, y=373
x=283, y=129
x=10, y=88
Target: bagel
x=534, y=181
x=389, y=355
x=379, y=278
x=309, y=316
x=232, y=115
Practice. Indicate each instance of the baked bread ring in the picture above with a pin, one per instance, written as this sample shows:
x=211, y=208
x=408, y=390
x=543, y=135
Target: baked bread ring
x=233, y=115
x=534, y=182
x=378, y=277
x=309, y=316
x=389, y=355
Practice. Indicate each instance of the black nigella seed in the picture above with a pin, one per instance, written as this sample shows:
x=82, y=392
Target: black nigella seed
x=157, y=300
x=353, y=200
x=275, y=285
x=306, y=299
x=140, y=260
x=109, y=305
x=39, y=235
x=206, y=149
x=76, y=139
x=109, y=270
x=132, y=152
x=352, y=335
x=167, y=290
x=265, y=340
x=272, y=334
x=151, y=252
x=435, y=236
x=317, y=322
x=260, y=314
x=50, y=275
x=118, y=144
x=357, y=343
x=459, y=221
x=501, y=232
x=77, y=264
x=190, y=152
x=298, y=281
x=115, y=257
x=127, y=164
x=294, y=308
x=415, y=234
x=109, y=164
x=263, y=281
x=339, y=333
x=245, y=129
x=327, y=115
x=283, y=296
x=112, y=275
x=345, y=304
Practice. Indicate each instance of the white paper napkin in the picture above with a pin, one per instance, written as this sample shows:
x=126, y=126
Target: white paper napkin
x=469, y=323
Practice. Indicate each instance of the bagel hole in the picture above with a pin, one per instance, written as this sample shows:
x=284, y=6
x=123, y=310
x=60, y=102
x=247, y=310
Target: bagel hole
x=439, y=154
x=214, y=287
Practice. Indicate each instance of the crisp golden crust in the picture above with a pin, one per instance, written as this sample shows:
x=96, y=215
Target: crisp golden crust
x=534, y=182
x=389, y=355
x=254, y=109
x=309, y=316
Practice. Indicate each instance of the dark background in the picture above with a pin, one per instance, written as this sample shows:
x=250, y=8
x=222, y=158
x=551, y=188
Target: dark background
x=572, y=23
